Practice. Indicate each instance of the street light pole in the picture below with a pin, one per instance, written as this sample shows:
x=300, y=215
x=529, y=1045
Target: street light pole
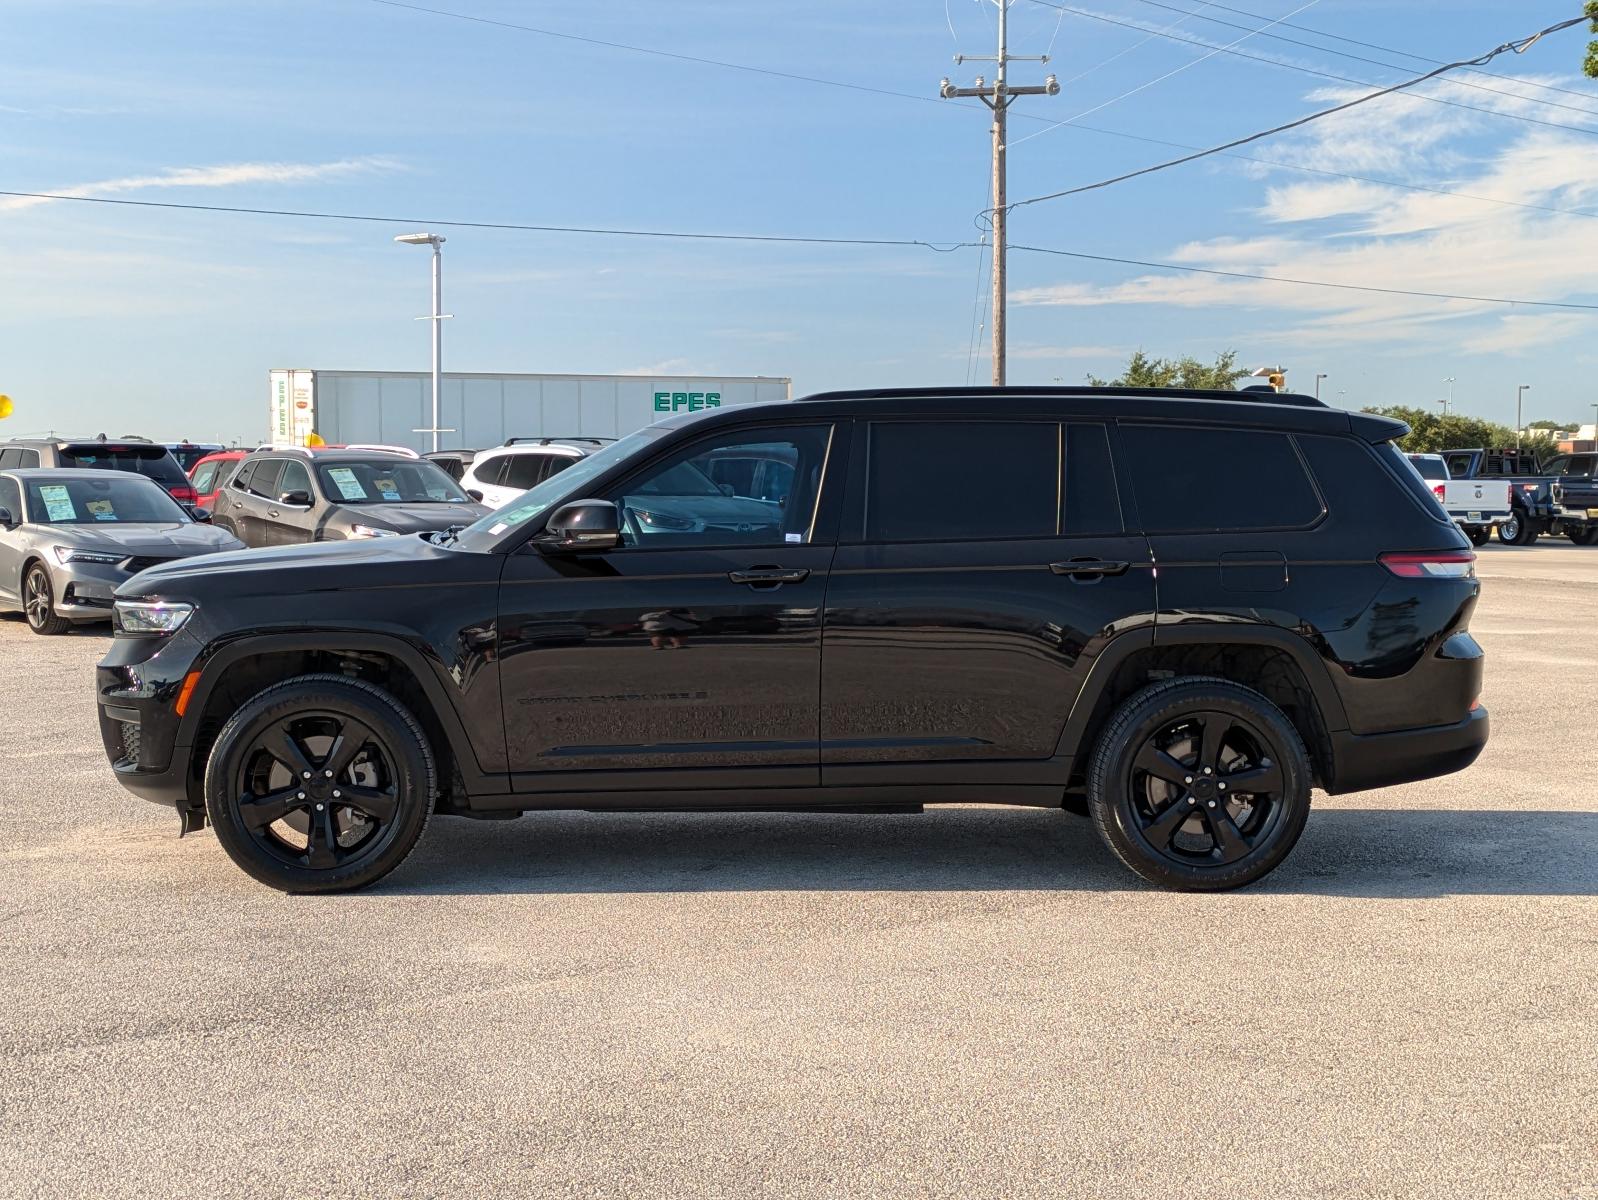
x=1318, y=377
x=1449, y=402
x=1520, y=393
x=438, y=318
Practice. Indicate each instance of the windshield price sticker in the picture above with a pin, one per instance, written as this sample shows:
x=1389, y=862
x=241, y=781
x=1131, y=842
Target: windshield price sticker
x=58, y=502
x=349, y=487
x=101, y=510
x=386, y=489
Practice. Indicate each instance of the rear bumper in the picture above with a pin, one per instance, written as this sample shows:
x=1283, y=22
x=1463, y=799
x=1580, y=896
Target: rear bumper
x=1373, y=760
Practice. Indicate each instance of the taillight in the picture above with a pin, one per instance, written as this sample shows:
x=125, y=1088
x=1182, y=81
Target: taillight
x=1440, y=490
x=184, y=495
x=1444, y=564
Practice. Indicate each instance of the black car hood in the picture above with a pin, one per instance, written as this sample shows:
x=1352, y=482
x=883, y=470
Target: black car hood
x=406, y=518
x=288, y=570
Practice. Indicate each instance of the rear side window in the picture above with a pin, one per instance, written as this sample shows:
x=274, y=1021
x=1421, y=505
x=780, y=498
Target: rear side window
x=958, y=480
x=1359, y=490
x=488, y=471
x=10, y=458
x=522, y=471
x=1091, y=502
x=1198, y=480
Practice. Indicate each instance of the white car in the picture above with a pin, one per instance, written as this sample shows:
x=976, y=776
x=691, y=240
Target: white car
x=1475, y=505
x=498, y=476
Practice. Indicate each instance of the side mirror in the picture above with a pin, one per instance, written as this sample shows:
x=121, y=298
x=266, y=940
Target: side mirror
x=582, y=525
x=200, y=513
x=475, y=494
x=725, y=489
x=300, y=499
x=7, y=521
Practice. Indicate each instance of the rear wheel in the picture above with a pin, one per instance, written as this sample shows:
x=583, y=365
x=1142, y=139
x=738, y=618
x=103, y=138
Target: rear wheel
x=1199, y=784
x=1479, y=535
x=38, y=602
x=319, y=784
x=1517, y=531
x=1583, y=535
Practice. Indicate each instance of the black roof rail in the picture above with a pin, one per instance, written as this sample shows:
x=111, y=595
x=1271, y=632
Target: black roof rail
x=1250, y=396
x=549, y=441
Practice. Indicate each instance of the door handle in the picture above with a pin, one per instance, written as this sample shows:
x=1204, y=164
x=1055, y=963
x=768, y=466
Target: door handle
x=769, y=576
x=272, y=512
x=1086, y=569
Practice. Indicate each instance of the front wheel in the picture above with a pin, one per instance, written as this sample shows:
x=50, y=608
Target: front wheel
x=1199, y=784
x=38, y=603
x=320, y=783
x=1478, y=534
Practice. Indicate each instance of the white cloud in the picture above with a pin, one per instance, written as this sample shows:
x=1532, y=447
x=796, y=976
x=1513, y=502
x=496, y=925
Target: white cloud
x=220, y=176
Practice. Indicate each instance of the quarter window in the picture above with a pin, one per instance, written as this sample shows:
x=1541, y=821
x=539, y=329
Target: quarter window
x=523, y=471
x=677, y=501
x=961, y=480
x=1192, y=480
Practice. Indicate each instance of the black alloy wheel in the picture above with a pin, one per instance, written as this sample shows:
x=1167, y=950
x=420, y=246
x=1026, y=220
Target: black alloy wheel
x=321, y=783
x=38, y=603
x=1199, y=784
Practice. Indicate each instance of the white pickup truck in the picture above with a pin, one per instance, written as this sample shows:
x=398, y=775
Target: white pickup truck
x=1475, y=505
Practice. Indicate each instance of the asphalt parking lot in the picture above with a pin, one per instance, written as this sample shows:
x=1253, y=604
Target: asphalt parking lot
x=972, y=1002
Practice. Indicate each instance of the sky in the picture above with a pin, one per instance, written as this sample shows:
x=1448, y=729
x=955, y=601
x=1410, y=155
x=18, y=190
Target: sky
x=165, y=322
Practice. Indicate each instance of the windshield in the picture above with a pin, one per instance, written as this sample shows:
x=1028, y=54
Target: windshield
x=570, y=484
x=1429, y=468
x=114, y=500
x=399, y=482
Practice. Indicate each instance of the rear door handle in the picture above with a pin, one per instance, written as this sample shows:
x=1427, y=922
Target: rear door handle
x=769, y=576
x=1089, y=566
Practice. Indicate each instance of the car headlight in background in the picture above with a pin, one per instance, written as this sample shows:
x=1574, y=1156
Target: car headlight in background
x=370, y=531
x=71, y=554
x=149, y=618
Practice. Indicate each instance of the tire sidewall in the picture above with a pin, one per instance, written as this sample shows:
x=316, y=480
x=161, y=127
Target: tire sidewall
x=1509, y=531
x=1153, y=708
x=389, y=722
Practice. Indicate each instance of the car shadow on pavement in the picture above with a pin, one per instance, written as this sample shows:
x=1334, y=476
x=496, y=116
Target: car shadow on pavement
x=1379, y=853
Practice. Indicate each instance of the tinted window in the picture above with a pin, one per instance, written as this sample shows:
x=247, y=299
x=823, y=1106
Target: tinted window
x=674, y=502
x=1357, y=480
x=11, y=497
x=948, y=481
x=1459, y=464
x=451, y=466
x=264, y=481
x=1429, y=468
x=152, y=461
x=10, y=458
x=30, y=458
x=245, y=474
x=295, y=478
x=1092, y=504
x=489, y=470
x=1194, y=480
x=522, y=471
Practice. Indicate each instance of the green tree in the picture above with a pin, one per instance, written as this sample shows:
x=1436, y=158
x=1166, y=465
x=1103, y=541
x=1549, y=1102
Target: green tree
x=1188, y=372
x=1591, y=65
x=1431, y=432
x=1555, y=424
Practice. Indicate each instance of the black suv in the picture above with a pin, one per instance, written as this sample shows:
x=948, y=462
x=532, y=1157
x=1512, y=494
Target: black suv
x=1175, y=611
x=285, y=497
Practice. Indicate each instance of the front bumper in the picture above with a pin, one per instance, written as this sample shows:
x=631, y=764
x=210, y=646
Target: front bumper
x=1373, y=760
x=137, y=686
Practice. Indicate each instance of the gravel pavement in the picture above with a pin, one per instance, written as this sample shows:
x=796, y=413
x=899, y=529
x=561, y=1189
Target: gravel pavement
x=975, y=1002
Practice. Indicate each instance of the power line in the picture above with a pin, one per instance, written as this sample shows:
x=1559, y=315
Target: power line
x=1519, y=46
x=1320, y=283
x=1278, y=37
x=939, y=247
x=1302, y=70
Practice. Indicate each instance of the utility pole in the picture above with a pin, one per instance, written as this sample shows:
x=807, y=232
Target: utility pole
x=438, y=318
x=998, y=98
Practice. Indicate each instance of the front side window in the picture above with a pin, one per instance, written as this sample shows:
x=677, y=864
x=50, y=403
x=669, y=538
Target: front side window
x=108, y=501
x=1198, y=480
x=295, y=478
x=204, y=477
x=962, y=480
x=264, y=481
x=398, y=482
x=11, y=497
x=678, y=502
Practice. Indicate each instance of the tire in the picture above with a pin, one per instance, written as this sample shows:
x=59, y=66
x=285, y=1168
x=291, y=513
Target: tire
x=260, y=811
x=38, y=602
x=1517, y=531
x=1479, y=535
x=1219, y=843
x=1583, y=536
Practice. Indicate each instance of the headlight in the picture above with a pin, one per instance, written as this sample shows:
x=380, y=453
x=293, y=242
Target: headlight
x=149, y=618
x=71, y=554
x=367, y=531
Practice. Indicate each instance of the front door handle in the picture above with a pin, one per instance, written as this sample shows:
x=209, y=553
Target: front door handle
x=769, y=576
x=272, y=512
x=1082, y=567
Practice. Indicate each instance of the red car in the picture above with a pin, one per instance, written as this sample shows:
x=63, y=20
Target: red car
x=209, y=475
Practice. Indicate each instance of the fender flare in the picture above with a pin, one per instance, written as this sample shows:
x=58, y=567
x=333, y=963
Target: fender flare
x=1206, y=633
x=215, y=663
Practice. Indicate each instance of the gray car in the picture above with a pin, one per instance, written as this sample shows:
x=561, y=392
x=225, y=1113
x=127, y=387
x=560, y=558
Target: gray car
x=68, y=538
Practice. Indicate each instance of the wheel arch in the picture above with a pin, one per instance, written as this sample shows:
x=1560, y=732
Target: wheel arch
x=1275, y=662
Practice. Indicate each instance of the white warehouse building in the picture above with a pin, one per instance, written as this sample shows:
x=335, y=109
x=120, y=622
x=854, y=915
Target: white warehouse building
x=393, y=407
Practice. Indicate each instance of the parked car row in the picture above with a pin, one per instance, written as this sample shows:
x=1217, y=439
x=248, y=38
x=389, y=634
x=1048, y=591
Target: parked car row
x=1557, y=497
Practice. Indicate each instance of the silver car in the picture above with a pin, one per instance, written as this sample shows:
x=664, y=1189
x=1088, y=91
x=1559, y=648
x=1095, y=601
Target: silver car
x=68, y=538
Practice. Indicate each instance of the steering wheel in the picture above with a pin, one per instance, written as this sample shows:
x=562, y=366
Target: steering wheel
x=630, y=524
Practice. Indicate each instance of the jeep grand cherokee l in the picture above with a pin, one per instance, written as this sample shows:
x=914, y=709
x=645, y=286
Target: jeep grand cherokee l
x=1177, y=611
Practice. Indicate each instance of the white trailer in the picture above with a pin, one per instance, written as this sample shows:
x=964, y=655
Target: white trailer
x=392, y=407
